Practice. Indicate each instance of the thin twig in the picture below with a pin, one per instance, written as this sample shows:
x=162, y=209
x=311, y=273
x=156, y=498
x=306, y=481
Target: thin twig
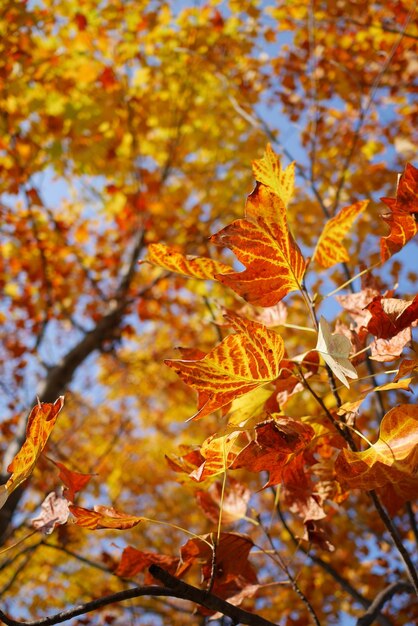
x=345, y=584
x=412, y=520
x=410, y=568
x=373, y=611
x=291, y=578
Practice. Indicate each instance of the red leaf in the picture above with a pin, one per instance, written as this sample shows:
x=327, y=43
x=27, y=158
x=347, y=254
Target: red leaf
x=275, y=443
x=403, y=216
x=391, y=315
x=74, y=481
x=135, y=561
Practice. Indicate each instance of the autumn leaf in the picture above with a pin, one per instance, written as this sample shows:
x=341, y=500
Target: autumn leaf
x=219, y=452
x=335, y=349
x=73, y=481
x=269, y=172
x=248, y=359
x=385, y=350
x=329, y=249
x=388, y=465
x=389, y=316
x=54, y=512
x=262, y=242
x=234, y=571
x=135, y=561
x=195, y=267
x=41, y=421
x=402, y=218
x=103, y=517
x=276, y=442
x=233, y=501
x=407, y=366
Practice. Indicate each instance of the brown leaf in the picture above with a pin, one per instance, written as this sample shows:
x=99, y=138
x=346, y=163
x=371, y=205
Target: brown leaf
x=233, y=570
x=275, y=443
x=135, y=561
x=54, y=511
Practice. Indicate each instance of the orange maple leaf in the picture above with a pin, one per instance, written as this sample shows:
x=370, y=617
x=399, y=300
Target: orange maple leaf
x=263, y=243
x=240, y=363
x=174, y=261
x=41, y=421
x=390, y=464
x=329, y=249
x=402, y=219
x=103, y=517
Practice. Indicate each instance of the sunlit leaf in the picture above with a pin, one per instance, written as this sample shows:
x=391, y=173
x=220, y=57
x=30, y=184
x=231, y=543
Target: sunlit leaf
x=233, y=501
x=242, y=362
x=103, y=517
x=391, y=315
x=391, y=461
x=330, y=249
x=269, y=172
x=335, y=349
x=262, y=242
x=402, y=218
x=196, y=267
x=41, y=421
x=54, y=512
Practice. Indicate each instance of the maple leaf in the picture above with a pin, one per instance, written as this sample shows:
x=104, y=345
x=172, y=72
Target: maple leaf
x=103, y=517
x=276, y=442
x=269, y=172
x=54, y=512
x=389, y=316
x=329, y=249
x=402, y=219
x=195, y=267
x=262, y=242
x=41, y=421
x=335, y=349
x=240, y=363
x=390, y=464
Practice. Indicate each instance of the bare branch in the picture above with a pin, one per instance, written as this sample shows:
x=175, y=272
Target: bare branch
x=377, y=604
x=174, y=588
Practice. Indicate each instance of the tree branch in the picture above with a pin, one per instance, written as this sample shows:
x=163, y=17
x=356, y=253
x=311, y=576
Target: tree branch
x=174, y=588
x=60, y=376
x=327, y=567
x=373, y=611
